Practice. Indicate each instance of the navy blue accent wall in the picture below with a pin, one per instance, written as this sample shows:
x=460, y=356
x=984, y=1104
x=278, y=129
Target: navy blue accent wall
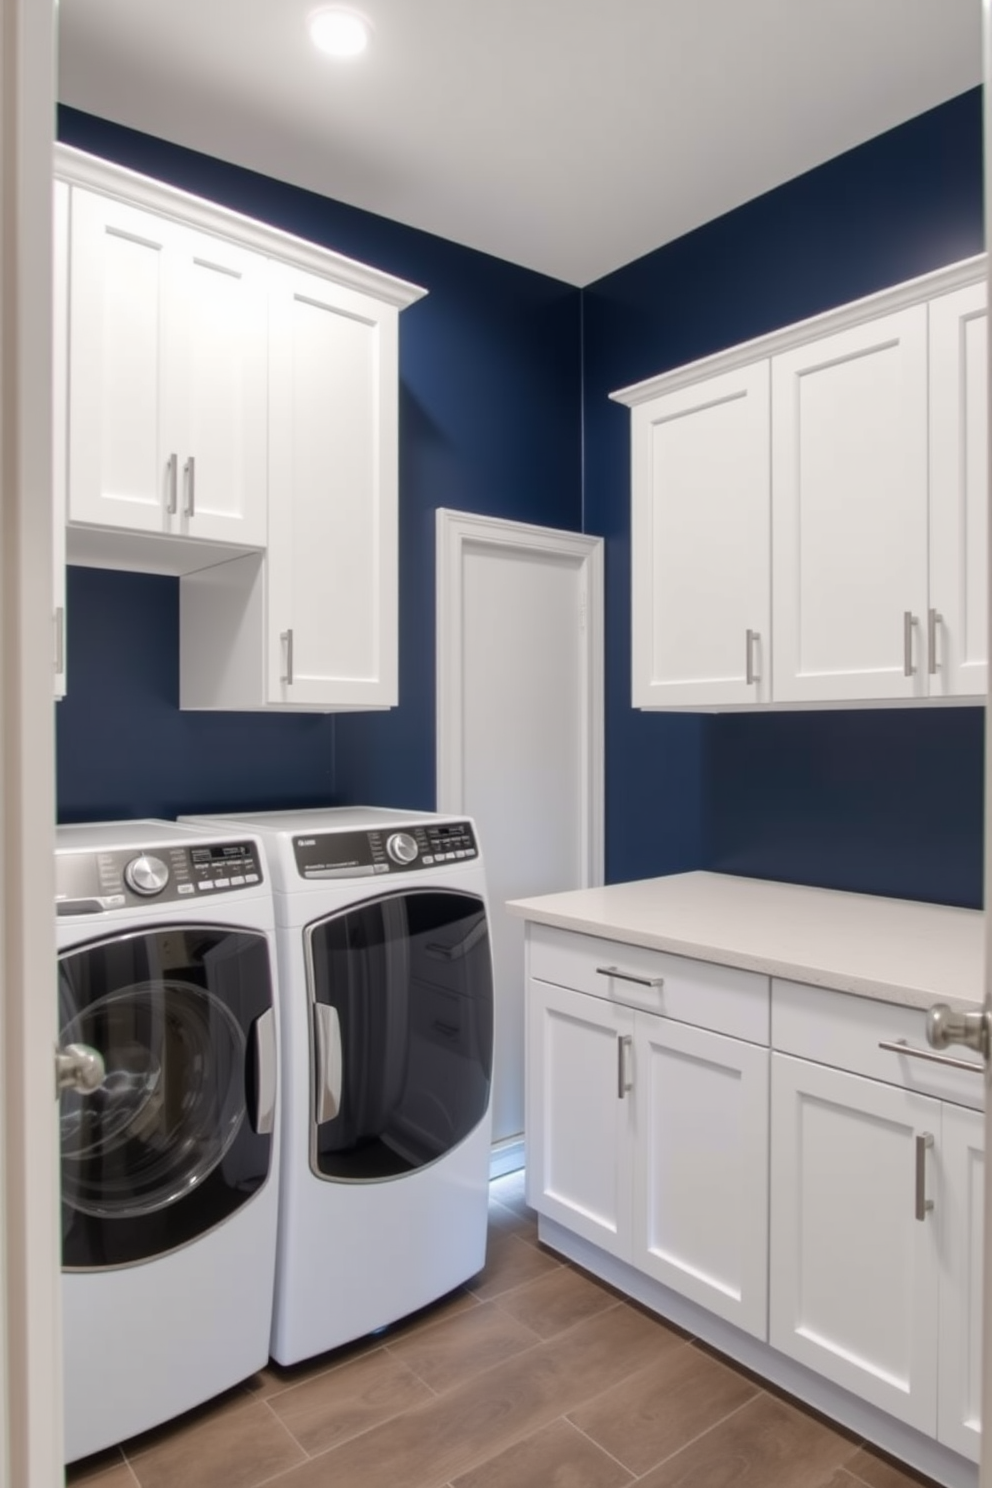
x=888, y=802
x=489, y=422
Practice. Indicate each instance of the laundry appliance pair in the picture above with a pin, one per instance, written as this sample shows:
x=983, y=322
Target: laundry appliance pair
x=339, y=957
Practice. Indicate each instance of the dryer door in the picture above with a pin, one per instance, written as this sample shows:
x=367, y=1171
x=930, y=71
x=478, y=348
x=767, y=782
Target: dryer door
x=174, y=1140
x=402, y=1006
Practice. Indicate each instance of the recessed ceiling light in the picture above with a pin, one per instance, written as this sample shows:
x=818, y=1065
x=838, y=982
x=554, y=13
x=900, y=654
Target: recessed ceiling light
x=339, y=32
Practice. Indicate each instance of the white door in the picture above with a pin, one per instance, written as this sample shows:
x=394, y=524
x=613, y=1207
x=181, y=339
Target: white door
x=853, y=1249
x=700, y=543
x=849, y=512
x=519, y=734
x=580, y=1113
x=701, y=1168
x=957, y=622
x=30, y=1323
x=962, y=1172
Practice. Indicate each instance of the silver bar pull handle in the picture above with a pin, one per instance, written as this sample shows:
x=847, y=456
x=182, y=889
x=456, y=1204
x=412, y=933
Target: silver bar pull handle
x=923, y=1205
x=900, y=1046
x=189, y=486
x=172, y=477
x=286, y=636
x=78, y=1067
x=752, y=641
x=908, y=626
x=59, y=641
x=933, y=621
x=328, y=1064
x=265, y=1072
x=628, y=976
x=624, y=1082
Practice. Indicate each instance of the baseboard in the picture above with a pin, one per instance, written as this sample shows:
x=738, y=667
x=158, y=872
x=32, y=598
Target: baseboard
x=506, y=1156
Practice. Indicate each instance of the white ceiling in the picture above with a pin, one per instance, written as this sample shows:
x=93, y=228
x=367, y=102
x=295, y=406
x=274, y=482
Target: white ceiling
x=566, y=136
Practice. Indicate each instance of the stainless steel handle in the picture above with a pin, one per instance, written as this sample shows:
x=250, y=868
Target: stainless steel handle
x=628, y=976
x=265, y=1072
x=173, y=484
x=908, y=625
x=900, y=1046
x=624, y=1082
x=944, y=1027
x=328, y=1064
x=923, y=1205
x=933, y=620
x=286, y=636
x=78, y=1067
x=189, y=486
x=753, y=637
x=59, y=641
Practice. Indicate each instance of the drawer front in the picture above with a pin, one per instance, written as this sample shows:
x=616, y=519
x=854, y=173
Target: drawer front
x=839, y=1029
x=708, y=995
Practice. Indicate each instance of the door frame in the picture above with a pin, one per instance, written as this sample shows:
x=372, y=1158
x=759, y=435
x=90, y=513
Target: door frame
x=457, y=533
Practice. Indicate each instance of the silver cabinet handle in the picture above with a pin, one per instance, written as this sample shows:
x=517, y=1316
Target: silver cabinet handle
x=628, y=976
x=78, y=1067
x=59, y=641
x=173, y=484
x=265, y=1072
x=189, y=486
x=900, y=1046
x=944, y=1026
x=328, y=1064
x=933, y=620
x=908, y=625
x=923, y=1205
x=752, y=640
x=624, y=1082
x=286, y=636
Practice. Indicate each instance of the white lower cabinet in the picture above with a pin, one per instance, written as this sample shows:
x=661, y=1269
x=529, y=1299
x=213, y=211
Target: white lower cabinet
x=959, y=1396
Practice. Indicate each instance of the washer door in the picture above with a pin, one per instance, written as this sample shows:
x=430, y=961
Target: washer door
x=402, y=1005
x=170, y=1144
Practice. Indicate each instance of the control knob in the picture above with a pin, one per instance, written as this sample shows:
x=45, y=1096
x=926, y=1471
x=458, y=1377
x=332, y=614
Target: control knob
x=146, y=875
x=402, y=848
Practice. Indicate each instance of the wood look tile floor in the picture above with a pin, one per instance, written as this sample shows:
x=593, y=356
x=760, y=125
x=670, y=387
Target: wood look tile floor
x=532, y=1375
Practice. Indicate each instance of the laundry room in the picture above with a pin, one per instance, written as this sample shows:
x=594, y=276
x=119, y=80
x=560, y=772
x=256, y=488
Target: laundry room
x=502, y=387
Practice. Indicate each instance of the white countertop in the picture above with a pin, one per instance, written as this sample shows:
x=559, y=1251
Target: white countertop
x=898, y=950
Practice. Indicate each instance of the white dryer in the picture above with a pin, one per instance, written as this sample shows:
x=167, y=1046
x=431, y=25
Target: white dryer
x=386, y=982
x=166, y=969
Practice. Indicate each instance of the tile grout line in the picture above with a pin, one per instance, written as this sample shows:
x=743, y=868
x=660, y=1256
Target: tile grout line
x=599, y=1445
x=699, y=1436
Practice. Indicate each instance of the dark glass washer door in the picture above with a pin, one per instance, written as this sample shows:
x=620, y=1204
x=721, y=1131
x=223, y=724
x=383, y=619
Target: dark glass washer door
x=402, y=997
x=165, y=1148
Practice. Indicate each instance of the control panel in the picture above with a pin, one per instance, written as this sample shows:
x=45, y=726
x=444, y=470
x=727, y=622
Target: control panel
x=97, y=882
x=392, y=850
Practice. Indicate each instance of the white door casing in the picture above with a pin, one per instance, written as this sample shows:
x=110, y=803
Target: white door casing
x=520, y=733
x=985, y=1462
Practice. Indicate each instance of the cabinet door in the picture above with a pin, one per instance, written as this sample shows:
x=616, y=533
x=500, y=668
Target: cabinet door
x=579, y=1113
x=961, y=1230
x=332, y=564
x=700, y=543
x=701, y=1168
x=60, y=377
x=849, y=512
x=854, y=1281
x=959, y=486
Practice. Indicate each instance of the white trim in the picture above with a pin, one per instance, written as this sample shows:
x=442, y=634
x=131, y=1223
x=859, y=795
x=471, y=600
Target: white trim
x=912, y=292
x=454, y=531
x=506, y=1157
x=81, y=169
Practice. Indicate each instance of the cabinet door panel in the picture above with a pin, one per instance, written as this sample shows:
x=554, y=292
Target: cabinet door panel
x=579, y=1126
x=959, y=487
x=332, y=530
x=121, y=317
x=854, y=1273
x=701, y=1188
x=849, y=503
x=959, y=1411
x=701, y=487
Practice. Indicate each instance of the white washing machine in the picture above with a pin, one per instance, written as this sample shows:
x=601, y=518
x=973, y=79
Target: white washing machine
x=386, y=982
x=166, y=969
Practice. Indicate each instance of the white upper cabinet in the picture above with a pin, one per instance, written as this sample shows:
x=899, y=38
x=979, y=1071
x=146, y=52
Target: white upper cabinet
x=849, y=512
x=168, y=417
x=957, y=658
x=700, y=470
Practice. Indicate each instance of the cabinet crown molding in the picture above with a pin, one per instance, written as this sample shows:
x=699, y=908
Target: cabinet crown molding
x=79, y=168
x=802, y=332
